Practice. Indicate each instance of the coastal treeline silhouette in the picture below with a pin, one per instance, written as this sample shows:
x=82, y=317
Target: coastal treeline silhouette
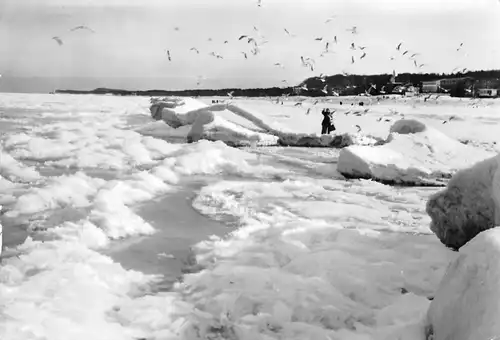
x=341, y=83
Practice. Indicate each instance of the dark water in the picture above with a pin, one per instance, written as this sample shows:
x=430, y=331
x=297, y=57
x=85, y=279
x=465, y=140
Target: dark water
x=178, y=228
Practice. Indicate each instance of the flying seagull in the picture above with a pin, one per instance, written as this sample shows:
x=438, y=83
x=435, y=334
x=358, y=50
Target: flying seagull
x=194, y=49
x=82, y=27
x=353, y=47
x=307, y=62
x=218, y=56
x=58, y=40
x=353, y=30
x=279, y=65
x=245, y=55
x=363, y=55
x=259, y=3
x=449, y=119
x=352, y=59
x=319, y=39
x=243, y=37
x=330, y=19
x=288, y=33
x=399, y=46
x=252, y=40
x=358, y=128
x=255, y=50
x=335, y=39
x=168, y=55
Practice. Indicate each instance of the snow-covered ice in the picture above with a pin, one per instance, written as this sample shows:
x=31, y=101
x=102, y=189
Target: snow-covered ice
x=410, y=156
x=466, y=304
x=308, y=254
x=240, y=125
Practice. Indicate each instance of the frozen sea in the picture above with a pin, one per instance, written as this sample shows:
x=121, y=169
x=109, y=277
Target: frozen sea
x=113, y=234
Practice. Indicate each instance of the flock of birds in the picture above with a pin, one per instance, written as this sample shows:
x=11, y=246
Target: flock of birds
x=257, y=40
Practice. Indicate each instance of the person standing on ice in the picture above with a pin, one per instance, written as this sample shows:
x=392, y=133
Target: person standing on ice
x=327, y=123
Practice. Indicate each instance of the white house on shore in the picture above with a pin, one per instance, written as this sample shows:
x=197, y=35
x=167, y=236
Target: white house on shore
x=487, y=93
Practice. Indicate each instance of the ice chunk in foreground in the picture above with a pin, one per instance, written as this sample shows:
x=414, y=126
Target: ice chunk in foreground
x=411, y=155
x=465, y=306
x=470, y=204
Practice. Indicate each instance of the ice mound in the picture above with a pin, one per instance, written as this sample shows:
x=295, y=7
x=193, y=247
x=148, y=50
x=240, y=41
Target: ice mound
x=209, y=126
x=205, y=124
x=15, y=171
x=407, y=126
x=237, y=126
x=413, y=154
x=469, y=205
x=332, y=141
x=465, y=306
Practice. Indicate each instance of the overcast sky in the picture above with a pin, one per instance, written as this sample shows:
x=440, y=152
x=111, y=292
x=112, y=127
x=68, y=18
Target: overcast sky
x=130, y=39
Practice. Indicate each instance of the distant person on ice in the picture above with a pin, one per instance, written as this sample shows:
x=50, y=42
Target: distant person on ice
x=327, y=123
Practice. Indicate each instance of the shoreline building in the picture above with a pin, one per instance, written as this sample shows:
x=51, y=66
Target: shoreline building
x=488, y=88
x=454, y=86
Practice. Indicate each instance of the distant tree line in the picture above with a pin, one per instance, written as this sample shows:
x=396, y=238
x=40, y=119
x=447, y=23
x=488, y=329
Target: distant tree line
x=343, y=84
x=356, y=84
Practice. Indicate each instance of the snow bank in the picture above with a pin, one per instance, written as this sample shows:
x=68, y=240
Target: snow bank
x=465, y=306
x=412, y=154
x=469, y=204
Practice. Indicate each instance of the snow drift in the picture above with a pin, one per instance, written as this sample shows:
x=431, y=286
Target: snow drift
x=470, y=204
x=412, y=154
x=237, y=126
x=465, y=306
